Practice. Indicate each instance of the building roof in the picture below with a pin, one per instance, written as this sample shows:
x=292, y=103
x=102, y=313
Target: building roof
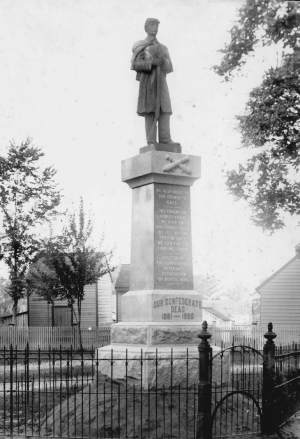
x=217, y=314
x=276, y=272
x=123, y=279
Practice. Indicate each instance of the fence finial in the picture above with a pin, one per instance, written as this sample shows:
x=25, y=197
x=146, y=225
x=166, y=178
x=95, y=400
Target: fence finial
x=270, y=335
x=204, y=334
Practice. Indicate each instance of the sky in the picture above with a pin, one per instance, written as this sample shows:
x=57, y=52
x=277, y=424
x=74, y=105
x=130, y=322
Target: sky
x=66, y=83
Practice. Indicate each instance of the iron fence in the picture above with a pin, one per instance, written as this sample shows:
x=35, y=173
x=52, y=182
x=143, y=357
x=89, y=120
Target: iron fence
x=287, y=382
x=67, y=393
x=237, y=391
x=102, y=393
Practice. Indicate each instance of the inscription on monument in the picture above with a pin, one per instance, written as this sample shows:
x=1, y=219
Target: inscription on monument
x=178, y=308
x=172, y=238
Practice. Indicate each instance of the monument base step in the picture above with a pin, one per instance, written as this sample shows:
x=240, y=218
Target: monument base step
x=157, y=367
x=156, y=334
x=153, y=353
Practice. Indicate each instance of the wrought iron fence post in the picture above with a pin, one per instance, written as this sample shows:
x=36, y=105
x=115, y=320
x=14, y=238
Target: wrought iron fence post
x=26, y=369
x=204, y=428
x=11, y=397
x=268, y=415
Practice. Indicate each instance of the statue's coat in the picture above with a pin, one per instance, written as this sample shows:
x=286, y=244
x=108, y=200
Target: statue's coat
x=143, y=53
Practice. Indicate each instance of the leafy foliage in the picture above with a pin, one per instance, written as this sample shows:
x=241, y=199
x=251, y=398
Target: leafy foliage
x=268, y=181
x=69, y=262
x=28, y=197
x=271, y=123
x=260, y=22
x=5, y=301
x=208, y=285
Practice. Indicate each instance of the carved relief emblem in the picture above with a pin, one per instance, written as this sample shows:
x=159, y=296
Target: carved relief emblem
x=178, y=163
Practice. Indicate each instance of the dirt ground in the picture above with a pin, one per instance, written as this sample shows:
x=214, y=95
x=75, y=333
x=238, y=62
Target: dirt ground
x=291, y=430
x=85, y=412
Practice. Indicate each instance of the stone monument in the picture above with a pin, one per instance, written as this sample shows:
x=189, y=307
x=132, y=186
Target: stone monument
x=162, y=310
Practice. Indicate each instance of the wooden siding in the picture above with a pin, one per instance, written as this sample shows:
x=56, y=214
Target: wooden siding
x=88, y=307
x=210, y=318
x=40, y=313
x=280, y=296
x=104, y=299
x=61, y=316
x=22, y=319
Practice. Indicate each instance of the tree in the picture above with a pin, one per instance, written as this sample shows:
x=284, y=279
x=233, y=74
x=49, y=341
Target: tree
x=271, y=124
x=28, y=198
x=208, y=285
x=5, y=300
x=69, y=262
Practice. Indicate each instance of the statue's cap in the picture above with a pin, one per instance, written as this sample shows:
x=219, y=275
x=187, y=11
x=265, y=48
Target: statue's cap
x=149, y=20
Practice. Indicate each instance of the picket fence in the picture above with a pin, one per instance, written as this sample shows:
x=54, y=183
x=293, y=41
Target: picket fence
x=53, y=337
x=252, y=335
x=56, y=337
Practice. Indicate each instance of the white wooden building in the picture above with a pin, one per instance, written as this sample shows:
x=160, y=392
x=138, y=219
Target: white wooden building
x=280, y=295
x=96, y=307
x=216, y=318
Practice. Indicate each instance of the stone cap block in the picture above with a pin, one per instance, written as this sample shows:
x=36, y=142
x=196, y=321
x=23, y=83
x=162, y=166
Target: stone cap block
x=165, y=306
x=161, y=167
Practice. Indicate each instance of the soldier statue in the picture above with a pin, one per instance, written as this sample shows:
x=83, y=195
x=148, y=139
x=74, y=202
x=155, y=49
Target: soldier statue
x=152, y=62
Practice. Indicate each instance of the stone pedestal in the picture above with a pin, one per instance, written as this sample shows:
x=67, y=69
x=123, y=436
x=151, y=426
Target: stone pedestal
x=161, y=247
x=161, y=311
